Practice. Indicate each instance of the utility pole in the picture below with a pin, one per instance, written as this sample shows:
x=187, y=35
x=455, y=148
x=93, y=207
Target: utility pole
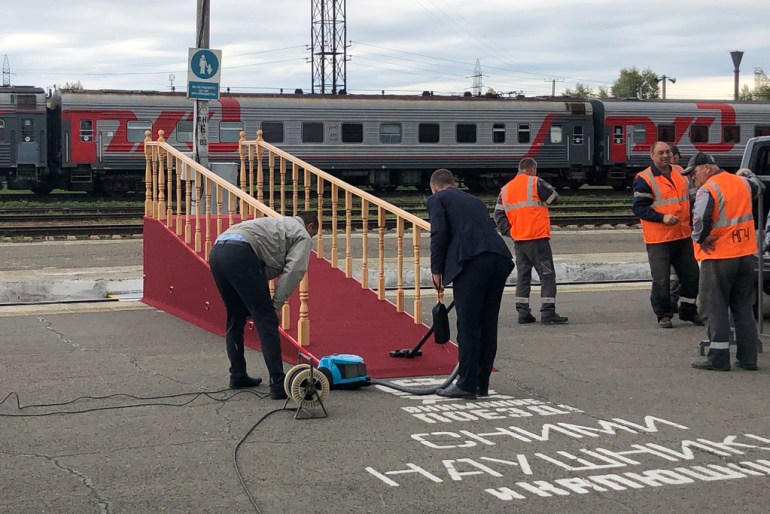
x=664, y=79
x=201, y=107
x=736, y=55
x=6, y=72
x=553, y=85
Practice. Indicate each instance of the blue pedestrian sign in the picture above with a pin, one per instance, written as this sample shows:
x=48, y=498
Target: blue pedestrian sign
x=203, y=73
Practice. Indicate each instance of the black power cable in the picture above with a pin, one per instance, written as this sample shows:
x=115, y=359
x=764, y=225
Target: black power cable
x=195, y=396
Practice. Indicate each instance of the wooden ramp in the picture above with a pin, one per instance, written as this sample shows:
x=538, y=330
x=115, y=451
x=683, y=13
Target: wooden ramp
x=344, y=317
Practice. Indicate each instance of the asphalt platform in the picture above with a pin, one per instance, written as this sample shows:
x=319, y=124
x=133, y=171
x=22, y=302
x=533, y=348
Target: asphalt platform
x=602, y=415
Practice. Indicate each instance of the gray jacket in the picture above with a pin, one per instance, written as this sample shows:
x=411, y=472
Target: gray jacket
x=284, y=245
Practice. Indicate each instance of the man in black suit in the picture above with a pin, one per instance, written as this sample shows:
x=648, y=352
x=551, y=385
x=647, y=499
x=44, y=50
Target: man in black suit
x=466, y=251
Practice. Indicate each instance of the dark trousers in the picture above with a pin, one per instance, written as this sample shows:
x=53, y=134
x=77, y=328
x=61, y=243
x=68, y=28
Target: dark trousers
x=478, y=291
x=534, y=254
x=662, y=257
x=728, y=287
x=242, y=283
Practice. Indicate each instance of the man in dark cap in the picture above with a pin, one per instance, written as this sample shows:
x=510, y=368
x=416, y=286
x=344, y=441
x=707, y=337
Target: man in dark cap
x=723, y=230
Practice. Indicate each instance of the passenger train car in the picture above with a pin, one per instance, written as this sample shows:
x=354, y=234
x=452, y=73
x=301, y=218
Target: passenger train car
x=24, y=138
x=95, y=137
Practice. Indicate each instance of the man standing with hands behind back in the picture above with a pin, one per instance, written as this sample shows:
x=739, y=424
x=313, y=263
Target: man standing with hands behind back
x=466, y=251
x=662, y=203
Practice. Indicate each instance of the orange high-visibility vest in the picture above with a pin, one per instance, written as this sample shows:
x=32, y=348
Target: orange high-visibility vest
x=527, y=215
x=668, y=197
x=732, y=216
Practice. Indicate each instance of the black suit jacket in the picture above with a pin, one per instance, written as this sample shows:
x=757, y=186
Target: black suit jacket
x=460, y=229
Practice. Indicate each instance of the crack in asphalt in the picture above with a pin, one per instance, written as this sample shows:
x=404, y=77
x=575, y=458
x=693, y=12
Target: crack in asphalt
x=103, y=503
x=48, y=325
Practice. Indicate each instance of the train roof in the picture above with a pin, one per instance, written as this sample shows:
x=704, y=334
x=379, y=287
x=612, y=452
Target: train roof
x=21, y=89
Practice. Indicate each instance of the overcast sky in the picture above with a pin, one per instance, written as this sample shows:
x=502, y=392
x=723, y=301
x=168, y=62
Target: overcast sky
x=400, y=46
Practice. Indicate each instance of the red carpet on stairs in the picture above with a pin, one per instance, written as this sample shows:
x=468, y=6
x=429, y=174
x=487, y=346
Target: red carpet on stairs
x=344, y=318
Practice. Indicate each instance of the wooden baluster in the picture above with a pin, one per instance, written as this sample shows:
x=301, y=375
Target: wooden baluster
x=282, y=186
x=219, y=212
x=188, y=203
x=231, y=202
x=303, y=324
x=242, y=145
x=208, y=217
x=198, y=196
x=381, y=236
x=260, y=168
x=335, y=192
x=161, y=181
x=271, y=178
x=295, y=170
x=169, y=188
x=178, y=223
x=307, y=191
x=148, y=173
x=320, y=192
x=365, y=243
x=252, y=156
x=155, y=150
x=348, y=231
x=417, y=301
x=400, y=264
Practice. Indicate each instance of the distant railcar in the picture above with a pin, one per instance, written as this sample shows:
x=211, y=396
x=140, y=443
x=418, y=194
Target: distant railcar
x=383, y=141
x=24, y=139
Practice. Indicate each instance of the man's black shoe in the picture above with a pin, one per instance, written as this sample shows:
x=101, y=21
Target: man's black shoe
x=528, y=318
x=553, y=319
x=278, y=394
x=691, y=316
x=482, y=391
x=244, y=382
x=707, y=365
x=747, y=367
x=455, y=392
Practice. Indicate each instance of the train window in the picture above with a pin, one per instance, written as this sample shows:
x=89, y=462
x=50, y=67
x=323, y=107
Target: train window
x=699, y=134
x=523, y=133
x=136, y=129
x=731, y=134
x=759, y=130
x=2, y=130
x=666, y=133
x=27, y=130
x=352, y=133
x=184, y=132
x=26, y=101
x=639, y=134
x=272, y=131
x=556, y=134
x=230, y=131
x=312, y=133
x=466, y=133
x=428, y=133
x=498, y=133
x=390, y=133
x=87, y=131
x=577, y=135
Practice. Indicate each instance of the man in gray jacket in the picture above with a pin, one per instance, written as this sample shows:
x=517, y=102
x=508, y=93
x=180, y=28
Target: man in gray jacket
x=243, y=259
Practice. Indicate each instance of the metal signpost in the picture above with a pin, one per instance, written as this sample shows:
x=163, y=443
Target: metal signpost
x=203, y=85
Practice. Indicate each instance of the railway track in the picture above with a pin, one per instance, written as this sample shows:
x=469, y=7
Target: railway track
x=81, y=219
x=129, y=229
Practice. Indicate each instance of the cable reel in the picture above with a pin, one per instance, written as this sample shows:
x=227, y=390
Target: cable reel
x=306, y=386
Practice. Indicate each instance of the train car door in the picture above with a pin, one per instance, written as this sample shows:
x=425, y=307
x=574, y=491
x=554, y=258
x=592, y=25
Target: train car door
x=578, y=145
x=618, y=144
x=27, y=148
x=105, y=130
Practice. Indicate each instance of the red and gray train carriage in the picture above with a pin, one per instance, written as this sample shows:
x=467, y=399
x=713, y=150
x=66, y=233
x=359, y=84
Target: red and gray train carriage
x=626, y=129
x=386, y=141
x=382, y=141
x=24, y=138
